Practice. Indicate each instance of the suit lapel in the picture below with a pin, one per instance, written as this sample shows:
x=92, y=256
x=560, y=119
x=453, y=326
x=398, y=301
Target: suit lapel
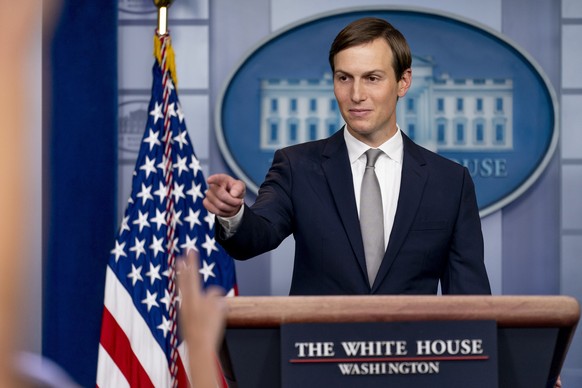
x=336, y=166
x=414, y=176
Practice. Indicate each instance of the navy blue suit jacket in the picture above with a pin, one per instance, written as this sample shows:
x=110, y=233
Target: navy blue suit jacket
x=308, y=192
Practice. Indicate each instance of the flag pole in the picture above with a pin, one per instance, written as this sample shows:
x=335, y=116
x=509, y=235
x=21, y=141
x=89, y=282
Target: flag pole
x=167, y=65
x=163, y=6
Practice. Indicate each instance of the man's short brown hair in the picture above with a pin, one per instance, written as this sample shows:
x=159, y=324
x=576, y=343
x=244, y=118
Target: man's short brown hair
x=366, y=30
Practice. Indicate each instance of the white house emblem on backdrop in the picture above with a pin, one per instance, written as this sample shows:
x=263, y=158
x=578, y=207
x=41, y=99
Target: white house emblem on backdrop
x=441, y=114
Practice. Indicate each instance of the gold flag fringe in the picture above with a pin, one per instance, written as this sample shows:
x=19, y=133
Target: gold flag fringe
x=170, y=57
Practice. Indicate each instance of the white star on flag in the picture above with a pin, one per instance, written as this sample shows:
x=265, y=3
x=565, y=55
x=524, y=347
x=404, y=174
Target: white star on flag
x=150, y=300
x=119, y=250
x=166, y=300
x=138, y=248
x=145, y=193
x=135, y=274
x=210, y=220
x=152, y=140
x=195, y=192
x=178, y=192
x=161, y=192
x=189, y=245
x=159, y=219
x=165, y=326
x=148, y=166
x=194, y=165
x=157, y=245
x=206, y=270
x=181, y=139
x=193, y=218
x=157, y=112
x=209, y=245
x=180, y=113
x=154, y=273
x=171, y=110
x=142, y=220
x=181, y=165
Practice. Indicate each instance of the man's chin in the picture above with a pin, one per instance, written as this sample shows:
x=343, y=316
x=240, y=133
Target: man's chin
x=361, y=130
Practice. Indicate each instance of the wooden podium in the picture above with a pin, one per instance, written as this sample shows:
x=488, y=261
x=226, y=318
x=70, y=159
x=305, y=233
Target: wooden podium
x=533, y=332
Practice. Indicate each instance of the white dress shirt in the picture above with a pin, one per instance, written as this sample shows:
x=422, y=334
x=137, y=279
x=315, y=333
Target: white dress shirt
x=388, y=170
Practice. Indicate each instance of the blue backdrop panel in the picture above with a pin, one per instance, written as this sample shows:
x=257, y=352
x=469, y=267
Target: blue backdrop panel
x=79, y=183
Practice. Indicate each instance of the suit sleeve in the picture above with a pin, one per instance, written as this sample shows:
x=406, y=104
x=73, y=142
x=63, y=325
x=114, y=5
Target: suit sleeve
x=465, y=272
x=268, y=222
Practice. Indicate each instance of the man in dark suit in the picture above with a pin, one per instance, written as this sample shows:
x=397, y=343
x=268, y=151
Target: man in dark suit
x=429, y=230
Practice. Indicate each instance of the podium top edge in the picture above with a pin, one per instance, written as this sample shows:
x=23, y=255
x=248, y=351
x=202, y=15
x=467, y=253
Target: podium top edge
x=508, y=311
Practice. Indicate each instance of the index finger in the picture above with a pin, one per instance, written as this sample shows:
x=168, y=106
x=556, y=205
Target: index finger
x=219, y=179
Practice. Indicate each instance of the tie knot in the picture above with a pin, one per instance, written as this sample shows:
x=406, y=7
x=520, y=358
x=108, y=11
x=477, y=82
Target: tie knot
x=371, y=156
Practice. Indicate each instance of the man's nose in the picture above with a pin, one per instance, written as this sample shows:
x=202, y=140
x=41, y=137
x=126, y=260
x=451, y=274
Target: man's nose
x=358, y=92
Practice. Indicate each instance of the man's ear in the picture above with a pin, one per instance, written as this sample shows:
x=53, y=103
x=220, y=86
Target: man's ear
x=404, y=82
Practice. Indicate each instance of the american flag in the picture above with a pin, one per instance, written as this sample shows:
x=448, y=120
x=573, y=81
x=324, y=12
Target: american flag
x=164, y=218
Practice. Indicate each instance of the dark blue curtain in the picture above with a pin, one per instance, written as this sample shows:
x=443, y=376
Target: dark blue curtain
x=79, y=181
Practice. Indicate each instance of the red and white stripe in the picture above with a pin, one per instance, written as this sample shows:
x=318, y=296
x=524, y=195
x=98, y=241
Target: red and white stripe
x=129, y=356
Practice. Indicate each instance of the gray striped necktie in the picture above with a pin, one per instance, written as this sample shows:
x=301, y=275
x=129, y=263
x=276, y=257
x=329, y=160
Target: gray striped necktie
x=372, y=216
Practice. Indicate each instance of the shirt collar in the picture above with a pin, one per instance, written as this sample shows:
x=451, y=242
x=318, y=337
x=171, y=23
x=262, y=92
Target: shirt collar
x=392, y=147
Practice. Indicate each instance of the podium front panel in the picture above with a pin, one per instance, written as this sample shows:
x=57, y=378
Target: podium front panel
x=524, y=356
